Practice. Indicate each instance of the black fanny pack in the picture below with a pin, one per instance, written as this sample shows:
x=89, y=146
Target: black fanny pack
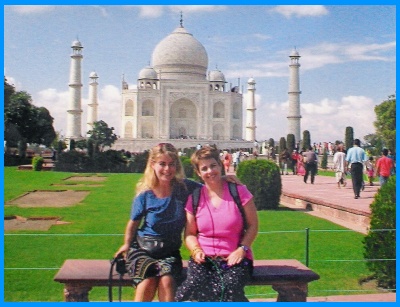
x=155, y=246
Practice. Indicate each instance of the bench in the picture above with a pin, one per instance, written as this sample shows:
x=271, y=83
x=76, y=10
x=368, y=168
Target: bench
x=288, y=277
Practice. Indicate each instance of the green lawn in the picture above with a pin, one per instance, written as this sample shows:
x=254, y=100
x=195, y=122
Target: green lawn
x=96, y=226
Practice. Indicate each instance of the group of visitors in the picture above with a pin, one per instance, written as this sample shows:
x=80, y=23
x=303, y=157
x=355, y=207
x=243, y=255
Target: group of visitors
x=355, y=160
x=218, y=230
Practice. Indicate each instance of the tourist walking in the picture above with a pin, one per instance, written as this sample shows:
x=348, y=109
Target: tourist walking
x=294, y=157
x=311, y=164
x=369, y=165
x=355, y=158
x=384, y=166
x=339, y=165
x=284, y=158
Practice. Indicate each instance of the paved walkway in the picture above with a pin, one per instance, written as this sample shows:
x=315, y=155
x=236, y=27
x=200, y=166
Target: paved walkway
x=325, y=191
x=349, y=212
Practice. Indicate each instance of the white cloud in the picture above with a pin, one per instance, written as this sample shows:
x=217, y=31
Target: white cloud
x=32, y=9
x=196, y=8
x=300, y=10
x=150, y=11
x=326, y=119
x=109, y=109
x=312, y=57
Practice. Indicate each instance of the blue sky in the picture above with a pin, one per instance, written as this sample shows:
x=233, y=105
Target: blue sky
x=348, y=57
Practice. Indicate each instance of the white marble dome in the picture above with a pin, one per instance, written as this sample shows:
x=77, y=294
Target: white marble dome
x=76, y=44
x=148, y=73
x=216, y=75
x=180, y=56
x=295, y=53
x=93, y=75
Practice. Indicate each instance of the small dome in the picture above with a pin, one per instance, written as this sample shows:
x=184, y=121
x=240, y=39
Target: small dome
x=294, y=53
x=251, y=81
x=148, y=73
x=76, y=44
x=216, y=75
x=93, y=75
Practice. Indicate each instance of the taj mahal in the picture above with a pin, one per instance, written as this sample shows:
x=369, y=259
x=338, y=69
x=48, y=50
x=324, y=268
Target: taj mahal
x=178, y=100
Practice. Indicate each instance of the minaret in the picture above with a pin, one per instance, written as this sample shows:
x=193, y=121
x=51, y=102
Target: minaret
x=92, y=105
x=74, y=118
x=294, y=96
x=251, y=111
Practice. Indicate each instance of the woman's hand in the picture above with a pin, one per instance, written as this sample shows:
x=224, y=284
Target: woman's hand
x=199, y=257
x=123, y=250
x=236, y=256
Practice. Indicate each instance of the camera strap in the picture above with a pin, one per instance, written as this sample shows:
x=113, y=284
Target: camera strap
x=119, y=263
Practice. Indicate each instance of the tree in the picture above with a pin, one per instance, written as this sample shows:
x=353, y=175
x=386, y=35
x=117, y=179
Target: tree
x=290, y=142
x=373, y=144
x=24, y=121
x=349, y=137
x=282, y=144
x=102, y=135
x=271, y=143
x=9, y=90
x=306, y=139
x=44, y=131
x=385, y=123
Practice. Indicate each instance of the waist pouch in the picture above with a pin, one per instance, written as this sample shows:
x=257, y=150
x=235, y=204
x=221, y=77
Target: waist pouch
x=157, y=247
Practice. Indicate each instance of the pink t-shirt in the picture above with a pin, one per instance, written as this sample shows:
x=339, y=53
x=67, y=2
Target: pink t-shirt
x=219, y=229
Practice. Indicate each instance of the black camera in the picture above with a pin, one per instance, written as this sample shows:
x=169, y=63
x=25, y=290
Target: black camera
x=119, y=262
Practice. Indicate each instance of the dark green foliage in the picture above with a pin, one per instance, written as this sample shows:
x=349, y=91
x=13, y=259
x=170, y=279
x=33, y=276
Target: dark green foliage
x=102, y=135
x=90, y=147
x=306, y=143
x=187, y=166
x=271, y=143
x=324, y=161
x=14, y=160
x=282, y=144
x=349, y=137
x=23, y=120
x=385, y=123
x=72, y=144
x=60, y=146
x=290, y=142
x=22, y=148
x=137, y=162
x=382, y=244
x=71, y=161
x=37, y=163
x=262, y=178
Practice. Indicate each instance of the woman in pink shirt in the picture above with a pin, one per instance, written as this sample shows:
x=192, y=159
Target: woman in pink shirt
x=221, y=258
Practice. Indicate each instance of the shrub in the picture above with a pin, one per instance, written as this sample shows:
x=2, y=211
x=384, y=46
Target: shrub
x=137, y=162
x=263, y=179
x=380, y=244
x=71, y=161
x=109, y=161
x=187, y=166
x=37, y=163
x=324, y=161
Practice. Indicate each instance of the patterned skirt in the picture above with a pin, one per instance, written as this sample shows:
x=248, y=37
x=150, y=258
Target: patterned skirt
x=215, y=281
x=141, y=266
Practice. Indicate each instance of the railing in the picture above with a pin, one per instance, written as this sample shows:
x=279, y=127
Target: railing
x=307, y=260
